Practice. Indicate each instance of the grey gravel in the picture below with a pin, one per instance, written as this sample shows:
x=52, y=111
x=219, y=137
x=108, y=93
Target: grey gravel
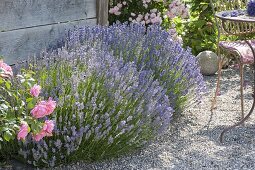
x=192, y=142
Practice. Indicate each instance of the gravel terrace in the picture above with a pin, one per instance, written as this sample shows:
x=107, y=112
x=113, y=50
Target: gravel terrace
x=193, y=141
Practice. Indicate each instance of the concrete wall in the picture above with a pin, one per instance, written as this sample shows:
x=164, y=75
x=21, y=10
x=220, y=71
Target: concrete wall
x=29, y=26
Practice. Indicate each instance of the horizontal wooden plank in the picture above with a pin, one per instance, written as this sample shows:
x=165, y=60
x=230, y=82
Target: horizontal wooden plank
x=15, y=14
x=18, y=44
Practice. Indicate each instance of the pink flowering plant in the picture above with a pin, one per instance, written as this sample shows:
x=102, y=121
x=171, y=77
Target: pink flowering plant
x=22, y=110
x=148, y=12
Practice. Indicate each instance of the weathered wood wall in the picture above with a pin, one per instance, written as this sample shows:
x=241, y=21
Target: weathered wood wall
x=102, y=12
x=29, y=26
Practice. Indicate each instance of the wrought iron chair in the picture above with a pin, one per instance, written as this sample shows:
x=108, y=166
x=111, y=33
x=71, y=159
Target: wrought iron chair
x=239, y=48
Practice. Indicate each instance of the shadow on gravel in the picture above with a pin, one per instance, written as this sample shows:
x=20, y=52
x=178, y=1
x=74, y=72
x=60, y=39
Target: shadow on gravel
x=227, y=81
x=181, y=151
x=181, y=148
x=236, y=152
x=239, y=136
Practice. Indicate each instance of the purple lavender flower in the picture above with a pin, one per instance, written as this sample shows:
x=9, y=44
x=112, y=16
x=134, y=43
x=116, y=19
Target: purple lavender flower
x=224, y=14
x=58, y=143
x=129, y=118
x=73, y=128
x=234, y=14
x=251, y=8
x=141, y=46
x=134, y=80
x=110, y=140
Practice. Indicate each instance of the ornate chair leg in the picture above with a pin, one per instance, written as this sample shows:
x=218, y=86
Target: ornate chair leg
x=241, y=88
x=213, y=106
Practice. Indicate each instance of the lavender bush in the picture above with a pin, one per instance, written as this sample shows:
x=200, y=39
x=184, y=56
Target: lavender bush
x=106, y=107
x=116, y=88
x=151, y=48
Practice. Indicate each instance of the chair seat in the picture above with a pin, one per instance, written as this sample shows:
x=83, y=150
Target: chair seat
x=240, y=47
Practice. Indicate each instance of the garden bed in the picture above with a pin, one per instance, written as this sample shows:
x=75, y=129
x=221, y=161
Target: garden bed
x=109, y=92
x=193, y=141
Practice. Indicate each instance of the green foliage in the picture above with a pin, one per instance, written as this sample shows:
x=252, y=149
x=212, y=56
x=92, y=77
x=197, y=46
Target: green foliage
x=13, y=93
x=200, y=31
x=12, y=109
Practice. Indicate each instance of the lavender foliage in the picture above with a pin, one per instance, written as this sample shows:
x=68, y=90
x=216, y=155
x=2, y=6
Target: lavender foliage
x=106, y=107
x=116, y=88
x=149, y=49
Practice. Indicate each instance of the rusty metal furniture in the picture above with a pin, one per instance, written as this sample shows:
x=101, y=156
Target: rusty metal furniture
x=232, y=20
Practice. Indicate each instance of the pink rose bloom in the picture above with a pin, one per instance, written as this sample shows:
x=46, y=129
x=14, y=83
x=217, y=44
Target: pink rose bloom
x=170, y=14
x=145, y=6
x=146, y=17
x=119, y=5
x=23, y=131
x=6, y=69
x=114, y=10
x=48, y=127
x=133, y=14
x=156, y=20
x=46, y=130
x=153, y=10
x=51, y=105
x=43, y=108
x=153, y=15
x=39, y=136
x=143, y=22
x=40, y=110
x=117, y=13
x=35, y=90
x=185, y=14
x=138, y=19
x=148, y=21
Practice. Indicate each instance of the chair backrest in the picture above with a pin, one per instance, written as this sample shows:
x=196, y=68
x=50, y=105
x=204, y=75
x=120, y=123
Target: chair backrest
x=222, y=5
x=231, y=28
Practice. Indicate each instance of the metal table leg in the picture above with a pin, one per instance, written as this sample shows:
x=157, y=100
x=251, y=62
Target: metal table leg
x=253, y=105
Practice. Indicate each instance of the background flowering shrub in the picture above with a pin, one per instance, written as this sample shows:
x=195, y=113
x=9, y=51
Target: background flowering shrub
x=199, y=32
x=106, y=107
x=148, y=12
x=150, y=48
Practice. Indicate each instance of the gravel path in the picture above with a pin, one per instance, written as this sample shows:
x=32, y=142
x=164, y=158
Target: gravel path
x=193, y=141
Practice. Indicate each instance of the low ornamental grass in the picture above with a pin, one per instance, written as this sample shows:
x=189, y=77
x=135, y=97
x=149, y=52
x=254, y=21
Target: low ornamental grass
x=116, y=89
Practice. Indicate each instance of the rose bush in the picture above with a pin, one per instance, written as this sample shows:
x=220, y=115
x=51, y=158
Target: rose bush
x=18, y=95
